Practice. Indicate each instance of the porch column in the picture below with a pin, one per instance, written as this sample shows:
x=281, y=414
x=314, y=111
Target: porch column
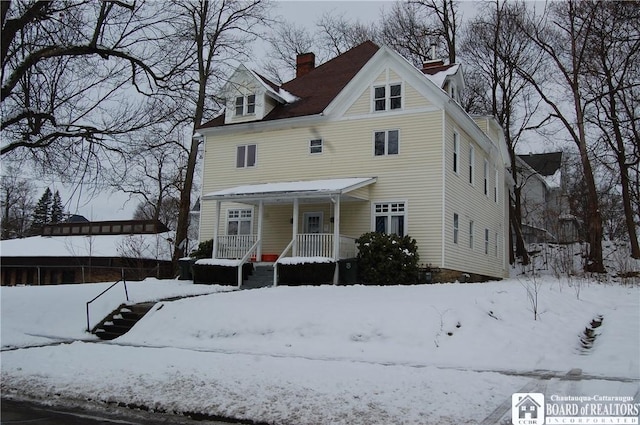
x=215, y=231
x=260, y=216
x=295, y=227
x=336, y=236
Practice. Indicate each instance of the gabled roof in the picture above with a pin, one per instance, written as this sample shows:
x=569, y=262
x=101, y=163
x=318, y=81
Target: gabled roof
x=316, y=89
x=545, y=164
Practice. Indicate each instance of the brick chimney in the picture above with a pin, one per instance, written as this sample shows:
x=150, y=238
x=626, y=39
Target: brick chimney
x=434, y=63
x=305, y=62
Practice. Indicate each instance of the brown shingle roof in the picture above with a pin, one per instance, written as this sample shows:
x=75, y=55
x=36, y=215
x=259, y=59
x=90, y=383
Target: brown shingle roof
x=319, y=87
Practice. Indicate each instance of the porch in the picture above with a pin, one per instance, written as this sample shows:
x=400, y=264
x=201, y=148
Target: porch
x=309, y=242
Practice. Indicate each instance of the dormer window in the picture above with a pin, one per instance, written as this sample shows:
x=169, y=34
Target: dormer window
x=246, y=105
x=387, y=97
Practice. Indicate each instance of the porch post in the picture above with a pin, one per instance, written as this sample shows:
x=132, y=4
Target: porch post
x=260, y=216
x=215, y=231
x=295, y=227
x=336, y=236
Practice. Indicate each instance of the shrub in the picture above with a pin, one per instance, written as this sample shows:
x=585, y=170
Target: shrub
x=387, y=259
x=204, y=250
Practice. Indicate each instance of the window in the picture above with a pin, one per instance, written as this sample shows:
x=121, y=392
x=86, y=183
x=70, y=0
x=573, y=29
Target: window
x=251, y=104
x=246, y=156
x=495, y=187
x=315, y=146
x=387, y=97
x=472, y=159
x=496, y=247
x=246, y=105
x=471, y=234
x=386, y=142
x=239, y=105
x=455, y=228
x=486, y=177
x=486, y=241
x=239, y=222
x=456, y=153
x=390, y=217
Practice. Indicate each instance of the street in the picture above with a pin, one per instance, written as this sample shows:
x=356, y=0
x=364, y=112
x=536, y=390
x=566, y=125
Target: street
x=20, y=412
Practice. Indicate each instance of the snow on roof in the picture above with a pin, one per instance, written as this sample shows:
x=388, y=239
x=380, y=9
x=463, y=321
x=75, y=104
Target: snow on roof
x=147, y=246
x=438, y=78
x=282, y=189
x=280, y=93
x=554, y=180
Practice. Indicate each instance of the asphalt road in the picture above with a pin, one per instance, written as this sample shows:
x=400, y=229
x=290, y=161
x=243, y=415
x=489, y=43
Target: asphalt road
x=23, y=412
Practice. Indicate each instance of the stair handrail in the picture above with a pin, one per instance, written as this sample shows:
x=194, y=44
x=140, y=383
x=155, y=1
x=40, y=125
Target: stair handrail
x=244, y=259
x=275, y=265
x=126, y=293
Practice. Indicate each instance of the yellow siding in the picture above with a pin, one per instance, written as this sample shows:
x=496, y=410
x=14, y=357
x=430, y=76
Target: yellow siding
x=470, y=203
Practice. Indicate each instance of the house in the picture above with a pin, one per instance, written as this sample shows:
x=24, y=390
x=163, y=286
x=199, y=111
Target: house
x=546, y=215
x=80, y=251
x=528, y=408
x=364, y=142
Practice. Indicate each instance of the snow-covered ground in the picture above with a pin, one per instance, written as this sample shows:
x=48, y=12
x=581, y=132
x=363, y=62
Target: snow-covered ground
x=432, y=354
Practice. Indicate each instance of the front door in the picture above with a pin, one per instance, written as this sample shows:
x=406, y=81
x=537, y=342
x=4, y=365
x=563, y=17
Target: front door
x=312, y=222
x=311, y=239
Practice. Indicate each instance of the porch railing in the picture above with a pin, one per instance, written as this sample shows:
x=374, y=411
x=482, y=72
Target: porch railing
x=314, y=245
x=235, y=246
x=348, y=247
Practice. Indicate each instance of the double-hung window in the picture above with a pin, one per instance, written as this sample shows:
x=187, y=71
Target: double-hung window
x=315, y=146
x=472, y=160
x=456, y=152
x=486, y=241
x=246, y=156
x=387, y=97
x=239, y=222
x=386, y=142
x=246, y=105
x=390, y=217
x=471, y=234
x=456, y=227
x=495, y=187
x=486, y=177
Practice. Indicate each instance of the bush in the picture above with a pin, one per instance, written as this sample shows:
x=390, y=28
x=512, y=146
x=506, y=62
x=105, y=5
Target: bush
x=204, y=250
x=387, y=259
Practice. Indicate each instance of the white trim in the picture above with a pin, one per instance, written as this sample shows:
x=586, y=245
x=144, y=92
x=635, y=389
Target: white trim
x=305, y=217
x=444, y=187
x=321, y=146
x=405, y=213
x=456, y=152
x=386, y=143
x=239, y=219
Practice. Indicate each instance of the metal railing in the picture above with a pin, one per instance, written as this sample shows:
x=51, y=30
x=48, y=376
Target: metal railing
x=126, y=293
x=234, y=246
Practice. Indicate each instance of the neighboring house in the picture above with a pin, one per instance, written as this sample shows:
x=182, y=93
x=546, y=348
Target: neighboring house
x=364, y=142
x=82, y=251
x=545, y=210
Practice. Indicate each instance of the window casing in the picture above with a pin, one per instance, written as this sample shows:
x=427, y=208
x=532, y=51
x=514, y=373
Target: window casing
x=245, y=105
x=486, y=177
x=387, y=97
x=486, y=241
x=390, y=217
x=456, y=152
x=496, y=247
x=239, y=222
x=315, y=146
x=456, y=227
x=246, y=156
x=386, y=142
x=495, y=187
x=472, y=160
x=471, y=234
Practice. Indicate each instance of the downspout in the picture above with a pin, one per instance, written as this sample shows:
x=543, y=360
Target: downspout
x=444, y=175
x=214, y=252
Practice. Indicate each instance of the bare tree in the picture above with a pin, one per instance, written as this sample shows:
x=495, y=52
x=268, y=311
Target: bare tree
x=561, y=35
x=17, y=204
x=210, y=33
x=73, y=78
x=613, y=79
x=446, y=22
x=408, y=30
x=495, y=48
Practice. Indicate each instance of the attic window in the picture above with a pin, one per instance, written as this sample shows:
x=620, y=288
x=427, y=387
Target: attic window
x=387, y=97
x=245, y=105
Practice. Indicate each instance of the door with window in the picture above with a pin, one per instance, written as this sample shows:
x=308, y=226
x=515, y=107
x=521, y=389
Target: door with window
x=312, y=227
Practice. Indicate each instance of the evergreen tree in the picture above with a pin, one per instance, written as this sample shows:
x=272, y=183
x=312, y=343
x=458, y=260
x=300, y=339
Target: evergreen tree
x=42, y=212
x=57, y=209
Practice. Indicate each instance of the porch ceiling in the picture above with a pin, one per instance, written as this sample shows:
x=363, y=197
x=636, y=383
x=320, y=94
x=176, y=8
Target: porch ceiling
x=286, y=192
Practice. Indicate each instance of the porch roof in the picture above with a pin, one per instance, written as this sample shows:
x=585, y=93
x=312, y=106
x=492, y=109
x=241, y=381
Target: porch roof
x=287, y=191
